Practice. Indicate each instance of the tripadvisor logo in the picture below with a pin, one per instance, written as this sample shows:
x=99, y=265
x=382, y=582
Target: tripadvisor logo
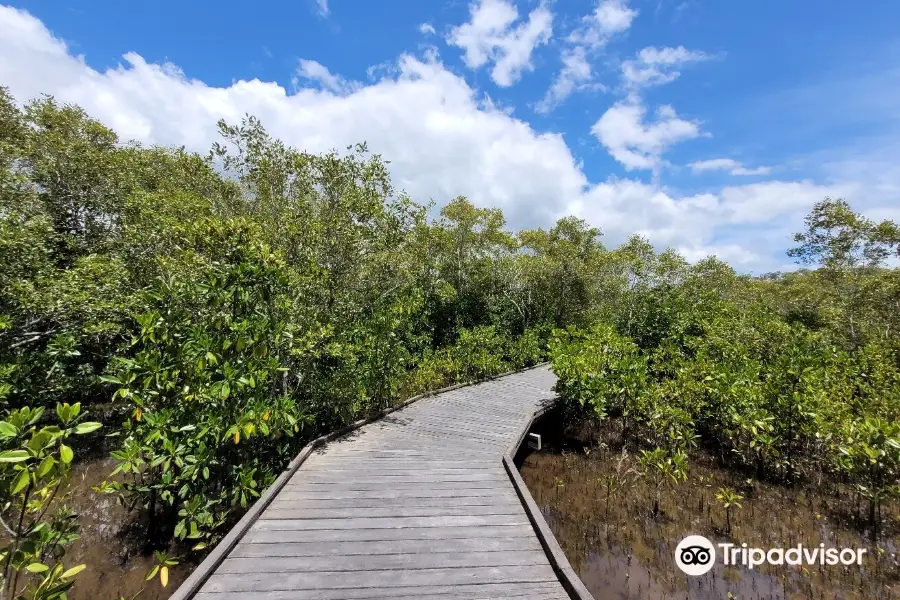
x=696, y=555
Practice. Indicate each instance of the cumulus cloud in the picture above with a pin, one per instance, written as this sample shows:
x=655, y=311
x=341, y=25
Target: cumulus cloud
x=657, y=66
x=322, y=7
x=735, y=255
x=492, y=35
x=622, y=130
x=576, y=72
x=609, y=18
x=759, y=217
x=315, y=72
x=637, y=143
x=727, y=164
x=442, y=137
x=427, y=29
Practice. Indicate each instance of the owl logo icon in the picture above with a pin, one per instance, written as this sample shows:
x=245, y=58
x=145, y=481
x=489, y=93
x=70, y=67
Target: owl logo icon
x=695, y=555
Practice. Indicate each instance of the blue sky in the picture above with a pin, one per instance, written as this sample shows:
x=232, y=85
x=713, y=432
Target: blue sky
x=707, y=126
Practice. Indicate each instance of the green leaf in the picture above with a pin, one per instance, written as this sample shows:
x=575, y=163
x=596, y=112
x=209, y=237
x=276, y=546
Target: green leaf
x=37, y=568
x=45, y=466
x=14, y=456
x=21, y=481
x=73, y=572
x=66, y=454
x=87, y=427
x=8, y=429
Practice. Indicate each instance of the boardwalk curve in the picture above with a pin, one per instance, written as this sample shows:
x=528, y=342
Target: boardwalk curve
x=418, y=504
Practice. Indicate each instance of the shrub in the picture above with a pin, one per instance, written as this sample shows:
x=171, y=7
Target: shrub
x=599, y=371
x=35, y=463
x=525, y=351
x=213, y=419
x=479, y=352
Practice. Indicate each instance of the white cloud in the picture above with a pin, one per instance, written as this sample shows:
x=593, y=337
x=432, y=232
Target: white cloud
x=760, y=217
x=766, y=201
x=656, y=66
x=492, y=36
x=322, y=7
x=576, y=72
x=442, y=138
x=727, y=164
x=427, y=29
x=734, y=254
x=747, y=171
x=310, y=70
x=622, y=129
x=638, y=144
x=609, y=17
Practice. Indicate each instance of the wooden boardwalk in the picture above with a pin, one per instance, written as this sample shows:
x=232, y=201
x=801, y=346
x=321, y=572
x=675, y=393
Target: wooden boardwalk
x=415, y=505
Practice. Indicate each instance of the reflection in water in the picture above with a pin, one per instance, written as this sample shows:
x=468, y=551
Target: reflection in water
x=621, y=551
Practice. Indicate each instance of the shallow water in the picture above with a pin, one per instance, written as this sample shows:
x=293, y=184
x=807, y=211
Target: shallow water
x=625, y=552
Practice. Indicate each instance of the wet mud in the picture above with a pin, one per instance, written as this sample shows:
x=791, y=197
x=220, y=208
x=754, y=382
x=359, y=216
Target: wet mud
x=112, y=544
x=601, y=511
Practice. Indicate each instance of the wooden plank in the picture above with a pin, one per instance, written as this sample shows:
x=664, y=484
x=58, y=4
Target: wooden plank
x=353, y=548
x=446, y=431
x=401, y=501
x=532, y=591
x=351, y=462
x=470, y=422
x=285, y=512
x=460, y=411
x=392, y=578
x=258, y=535
x=359, y=450
x=447, y=560
x=463, y=409
x=437, y=446
x=417, y=477
x=355, y=473
x=390, y=522
x=387, y=491
x=452, y=429
x=487, y=413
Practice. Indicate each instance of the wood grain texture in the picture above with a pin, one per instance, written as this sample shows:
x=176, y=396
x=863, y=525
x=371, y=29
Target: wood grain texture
x=417, y=504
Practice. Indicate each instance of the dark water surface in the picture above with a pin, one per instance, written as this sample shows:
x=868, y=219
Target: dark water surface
x=622, y=551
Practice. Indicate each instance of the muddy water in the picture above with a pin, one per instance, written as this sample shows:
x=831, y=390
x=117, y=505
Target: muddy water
x=622, y=551
x=110, y=544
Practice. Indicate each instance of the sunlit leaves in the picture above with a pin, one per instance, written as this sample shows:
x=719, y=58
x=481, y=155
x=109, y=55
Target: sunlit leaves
x=190, y=399
x=35, y=463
